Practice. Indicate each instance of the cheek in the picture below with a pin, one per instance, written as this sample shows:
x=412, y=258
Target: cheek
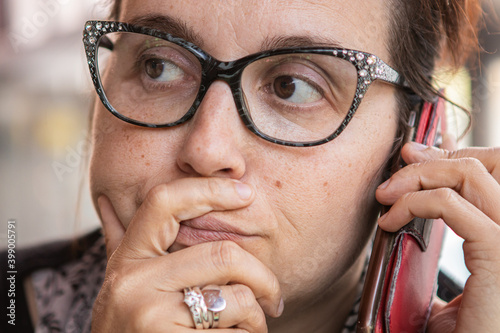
x=331, y=184
x=330, y=214
x=328, y=198
x=345, y=170
x=127, y=161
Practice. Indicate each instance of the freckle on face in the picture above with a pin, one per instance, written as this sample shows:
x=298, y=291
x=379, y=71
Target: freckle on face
x=311, y=190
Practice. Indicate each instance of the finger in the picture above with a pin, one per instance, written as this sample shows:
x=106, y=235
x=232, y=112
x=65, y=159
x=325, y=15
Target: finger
x=220, y=263
x=467, y=176
x=443, y=316
x=111, y=225
x=242, y=309
x=155, y=225
x=461, y=216
x=490, y=157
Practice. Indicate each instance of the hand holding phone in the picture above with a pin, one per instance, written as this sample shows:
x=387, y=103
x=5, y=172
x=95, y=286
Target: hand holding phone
x=401, y=277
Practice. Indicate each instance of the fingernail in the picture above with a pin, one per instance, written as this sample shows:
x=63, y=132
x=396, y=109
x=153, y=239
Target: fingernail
x=418, y=146
x=244, y=191
x=281, y=307
x=384, y=184
x=382, y=218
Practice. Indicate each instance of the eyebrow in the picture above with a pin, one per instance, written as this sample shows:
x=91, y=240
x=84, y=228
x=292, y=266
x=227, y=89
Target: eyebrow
x=279, y=42
x=179, y=28
x=169, y=24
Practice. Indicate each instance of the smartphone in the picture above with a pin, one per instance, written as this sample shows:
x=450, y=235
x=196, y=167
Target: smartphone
x=401, y=279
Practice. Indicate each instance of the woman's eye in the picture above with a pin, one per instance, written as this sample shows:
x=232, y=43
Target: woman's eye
x=295, y=90
x=161, y=70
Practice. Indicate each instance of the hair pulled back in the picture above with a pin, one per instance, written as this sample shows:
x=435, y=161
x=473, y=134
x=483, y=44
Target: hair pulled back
x=425, y=34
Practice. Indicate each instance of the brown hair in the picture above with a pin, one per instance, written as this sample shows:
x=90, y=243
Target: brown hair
x=427, y=33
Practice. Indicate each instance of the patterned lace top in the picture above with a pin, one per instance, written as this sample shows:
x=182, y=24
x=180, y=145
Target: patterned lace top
x=65, y=296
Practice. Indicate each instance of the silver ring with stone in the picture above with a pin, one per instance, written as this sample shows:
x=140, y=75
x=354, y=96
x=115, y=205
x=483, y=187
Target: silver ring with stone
x=205, y=306
x=215, y=304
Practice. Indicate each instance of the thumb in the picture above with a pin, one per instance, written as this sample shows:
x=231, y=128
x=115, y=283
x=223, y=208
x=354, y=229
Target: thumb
x=112, y=226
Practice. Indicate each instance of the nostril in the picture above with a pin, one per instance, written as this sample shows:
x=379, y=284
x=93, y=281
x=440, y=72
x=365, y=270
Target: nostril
x=226, y=170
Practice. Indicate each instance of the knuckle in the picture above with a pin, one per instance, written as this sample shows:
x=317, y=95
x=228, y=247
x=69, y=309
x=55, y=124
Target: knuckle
x=141, y=317
x=408, y=197
x=447, y=195
x=157, y=195
x=122, y=281
x=113, y=284
x=225, y=255
x=453, y=154
x=245, y=299
x=214, y=187
x=114, y=301
x=258, y=319
x=118, y=284
x=473, y=165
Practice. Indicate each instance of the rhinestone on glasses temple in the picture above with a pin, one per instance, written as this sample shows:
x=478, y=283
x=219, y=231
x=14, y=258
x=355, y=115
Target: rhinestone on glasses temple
x=368, y=66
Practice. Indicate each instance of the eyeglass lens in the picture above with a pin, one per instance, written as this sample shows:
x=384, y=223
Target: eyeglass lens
x=291, y=97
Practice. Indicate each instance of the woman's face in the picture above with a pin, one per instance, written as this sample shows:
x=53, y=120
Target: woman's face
x=314, y=207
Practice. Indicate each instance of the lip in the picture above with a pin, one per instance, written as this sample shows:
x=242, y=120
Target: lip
x=208, y=229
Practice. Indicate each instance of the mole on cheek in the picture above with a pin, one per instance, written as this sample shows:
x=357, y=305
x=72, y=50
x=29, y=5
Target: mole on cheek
x=278, y=184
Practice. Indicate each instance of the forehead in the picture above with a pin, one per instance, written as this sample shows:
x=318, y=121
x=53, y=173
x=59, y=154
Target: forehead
x=229, y=29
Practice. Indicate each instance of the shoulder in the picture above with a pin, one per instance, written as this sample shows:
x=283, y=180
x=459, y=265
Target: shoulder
x=53, y=256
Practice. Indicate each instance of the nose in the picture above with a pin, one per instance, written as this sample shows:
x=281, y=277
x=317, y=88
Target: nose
x=212, y=146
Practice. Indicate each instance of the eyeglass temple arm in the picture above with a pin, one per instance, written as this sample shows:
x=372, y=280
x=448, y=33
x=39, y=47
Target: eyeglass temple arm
x=386, y=73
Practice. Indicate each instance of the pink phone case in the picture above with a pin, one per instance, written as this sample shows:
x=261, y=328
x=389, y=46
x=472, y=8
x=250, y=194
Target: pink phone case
x=401, y=279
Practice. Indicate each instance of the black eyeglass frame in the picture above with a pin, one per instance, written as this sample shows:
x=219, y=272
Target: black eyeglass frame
x=368, y=67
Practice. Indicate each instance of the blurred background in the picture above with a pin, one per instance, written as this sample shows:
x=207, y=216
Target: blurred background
x=45, y=96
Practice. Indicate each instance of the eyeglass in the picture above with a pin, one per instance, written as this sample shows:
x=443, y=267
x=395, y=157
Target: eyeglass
x=293, y=96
